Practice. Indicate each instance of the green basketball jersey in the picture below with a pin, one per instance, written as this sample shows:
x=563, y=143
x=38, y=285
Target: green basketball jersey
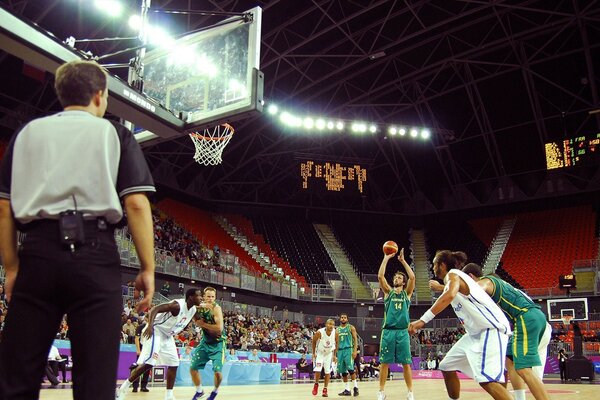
x=345, y=337
x=510, y=299
x=396, y=311
x=208, y=317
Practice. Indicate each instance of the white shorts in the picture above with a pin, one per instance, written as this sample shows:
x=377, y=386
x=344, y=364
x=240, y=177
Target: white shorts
x=160, y=349
x=323, y=361
x=543, y=351
x=481, y=357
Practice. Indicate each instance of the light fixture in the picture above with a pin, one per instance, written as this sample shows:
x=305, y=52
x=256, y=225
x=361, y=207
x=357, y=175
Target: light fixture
x=114, y=8
x=272, y=109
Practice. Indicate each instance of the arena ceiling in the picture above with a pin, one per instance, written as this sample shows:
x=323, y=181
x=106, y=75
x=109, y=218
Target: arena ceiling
x=494, y=81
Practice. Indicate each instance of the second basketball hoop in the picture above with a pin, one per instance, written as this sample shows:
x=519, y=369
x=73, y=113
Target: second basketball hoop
x=210, y=144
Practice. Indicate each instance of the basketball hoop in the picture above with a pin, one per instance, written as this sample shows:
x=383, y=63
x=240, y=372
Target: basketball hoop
x=210, y=144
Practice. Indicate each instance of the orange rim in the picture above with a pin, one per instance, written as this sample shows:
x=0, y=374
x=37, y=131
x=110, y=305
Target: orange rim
x=226, y=126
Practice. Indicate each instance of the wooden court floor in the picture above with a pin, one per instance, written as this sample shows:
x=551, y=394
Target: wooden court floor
x=425, y=389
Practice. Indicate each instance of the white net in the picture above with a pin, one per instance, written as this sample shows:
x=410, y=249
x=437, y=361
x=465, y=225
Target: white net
x=210, y=144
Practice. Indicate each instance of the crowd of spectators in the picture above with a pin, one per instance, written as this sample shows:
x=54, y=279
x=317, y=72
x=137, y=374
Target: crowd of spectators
x=173, y=240
x=440, y=336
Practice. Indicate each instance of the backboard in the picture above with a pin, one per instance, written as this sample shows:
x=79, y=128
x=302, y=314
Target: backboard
x=210, y=76
x=575, y=307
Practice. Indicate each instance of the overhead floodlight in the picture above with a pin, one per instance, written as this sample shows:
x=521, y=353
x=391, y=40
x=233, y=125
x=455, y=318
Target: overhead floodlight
x=425, y=134
x=272, y=109
x=339, y=125
x=309, y=123
x=160, y=37
x=330, y=125
x=402, y=131
x=320, y=124
x=392, y=130
x=414, y=133
x=373, y=128
x=114, y=8
x=359, y=127
x=285, y=117
x=135, y=22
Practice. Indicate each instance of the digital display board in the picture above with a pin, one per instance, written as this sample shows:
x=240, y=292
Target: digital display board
x=334, y=177
x=581, y=150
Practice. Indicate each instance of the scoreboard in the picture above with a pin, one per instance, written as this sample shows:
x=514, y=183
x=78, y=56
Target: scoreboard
x=333, y=177
x=581, y=150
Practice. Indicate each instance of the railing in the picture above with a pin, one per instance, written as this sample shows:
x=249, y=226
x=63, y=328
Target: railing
x=230, y=275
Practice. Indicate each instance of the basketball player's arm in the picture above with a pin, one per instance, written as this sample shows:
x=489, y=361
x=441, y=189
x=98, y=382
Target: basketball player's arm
x=216, y=328
x=139, y=221
x=172, y=307
x=354, y=342
x=450, y=291
x=8, y=247
x=383, y=284
x=410, y=285
x=315, y=339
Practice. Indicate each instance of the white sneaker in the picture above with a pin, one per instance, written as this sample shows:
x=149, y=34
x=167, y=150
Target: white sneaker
x=381, y=395
x=410, y=396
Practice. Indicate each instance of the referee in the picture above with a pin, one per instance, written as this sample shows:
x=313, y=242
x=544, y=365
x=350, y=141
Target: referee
x=62, y=181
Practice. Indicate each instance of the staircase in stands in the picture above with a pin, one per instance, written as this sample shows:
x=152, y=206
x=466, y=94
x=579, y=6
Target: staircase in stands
x=498, y=246
x=422, y=265
x=341, y=261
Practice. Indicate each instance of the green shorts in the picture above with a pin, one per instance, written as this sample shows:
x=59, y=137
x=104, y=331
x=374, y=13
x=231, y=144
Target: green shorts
x=523, y=345
x=395, y=347
x=208, y=351
x=345, y=363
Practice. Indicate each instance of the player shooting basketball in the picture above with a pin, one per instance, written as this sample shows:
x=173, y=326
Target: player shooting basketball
x=395, y=341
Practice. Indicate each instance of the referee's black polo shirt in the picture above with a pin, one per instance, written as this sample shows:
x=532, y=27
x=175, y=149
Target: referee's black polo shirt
x=72, y=153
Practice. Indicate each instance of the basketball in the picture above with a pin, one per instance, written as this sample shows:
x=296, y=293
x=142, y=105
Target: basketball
x=390, y=247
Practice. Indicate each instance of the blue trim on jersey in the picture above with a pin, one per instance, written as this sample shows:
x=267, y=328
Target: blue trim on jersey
x=502, y=348
x=488, y=310
x=151, y=350
x=487, y=334
x=501, y=369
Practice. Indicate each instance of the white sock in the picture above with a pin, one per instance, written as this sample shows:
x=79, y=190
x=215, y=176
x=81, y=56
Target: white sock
x=215, y=390
x=355, y=381
x=169, y=394
x=199, y=388
x=520, y=394
x=347, y=385
x=450, y=398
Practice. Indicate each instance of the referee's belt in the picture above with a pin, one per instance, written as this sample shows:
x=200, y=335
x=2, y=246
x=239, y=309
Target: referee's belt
x=89, y=224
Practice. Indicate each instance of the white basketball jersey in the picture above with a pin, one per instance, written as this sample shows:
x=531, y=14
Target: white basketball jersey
x=326, y=344
x=477, y=311
x=171, y=325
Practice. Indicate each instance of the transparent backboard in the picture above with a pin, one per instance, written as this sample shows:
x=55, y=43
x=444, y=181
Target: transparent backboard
x=207, y=76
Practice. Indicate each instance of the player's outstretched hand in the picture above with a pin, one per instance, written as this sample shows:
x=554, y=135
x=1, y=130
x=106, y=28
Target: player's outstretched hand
x=414, y=327
x=435, y=286
x=144, y=282
x=401, y=255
